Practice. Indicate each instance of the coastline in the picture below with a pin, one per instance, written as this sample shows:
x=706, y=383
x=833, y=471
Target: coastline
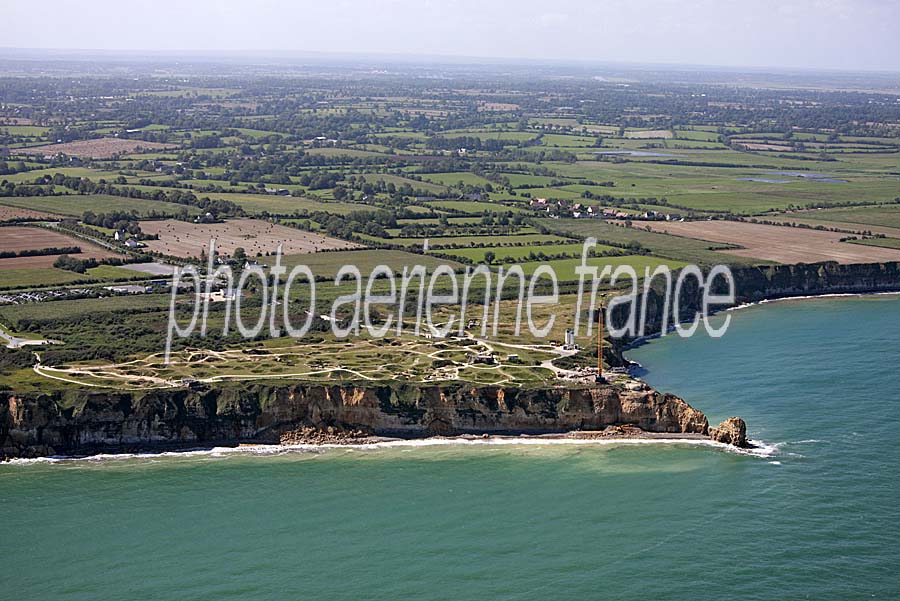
x=640, y=340
x=756, y=449
x=778, y=299
x=427, y=417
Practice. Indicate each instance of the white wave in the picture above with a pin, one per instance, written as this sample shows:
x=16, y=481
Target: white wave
x=812, y=297
x=758, y=450
x=35, y=460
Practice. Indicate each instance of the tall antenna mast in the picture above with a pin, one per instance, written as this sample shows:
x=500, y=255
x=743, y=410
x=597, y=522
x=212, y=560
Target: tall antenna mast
x=600, y=345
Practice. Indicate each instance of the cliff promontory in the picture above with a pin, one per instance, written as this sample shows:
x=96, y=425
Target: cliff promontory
x=84, y=422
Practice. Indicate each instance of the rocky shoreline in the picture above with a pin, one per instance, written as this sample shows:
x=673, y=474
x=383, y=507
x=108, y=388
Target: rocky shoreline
x=316, y=439
x=84, y=422
x=89, y=422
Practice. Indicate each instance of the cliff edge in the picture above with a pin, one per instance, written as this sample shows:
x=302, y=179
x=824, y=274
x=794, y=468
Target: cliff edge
x=85, y=422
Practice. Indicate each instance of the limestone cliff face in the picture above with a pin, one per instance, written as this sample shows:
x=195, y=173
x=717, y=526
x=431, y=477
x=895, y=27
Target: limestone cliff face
x=86, y=422
x=753, y=284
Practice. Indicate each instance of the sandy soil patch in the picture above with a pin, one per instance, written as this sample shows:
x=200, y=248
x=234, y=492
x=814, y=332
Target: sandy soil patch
x=498, y=106
x=31, y=238
x=763, y=146
x=650, y=134
x=779, y=243
x=182, y=239
x=101, y=148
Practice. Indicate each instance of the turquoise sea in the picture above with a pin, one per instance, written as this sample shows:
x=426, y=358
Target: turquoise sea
x=815, y=514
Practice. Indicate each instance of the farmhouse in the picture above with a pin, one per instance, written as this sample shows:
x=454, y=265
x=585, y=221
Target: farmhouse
x=278, y=191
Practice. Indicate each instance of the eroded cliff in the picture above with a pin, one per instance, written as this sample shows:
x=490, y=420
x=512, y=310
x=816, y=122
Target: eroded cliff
x=84, y=422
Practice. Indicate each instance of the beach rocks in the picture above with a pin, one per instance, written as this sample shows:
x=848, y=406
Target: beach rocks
x=732, y=431
x=329, y=435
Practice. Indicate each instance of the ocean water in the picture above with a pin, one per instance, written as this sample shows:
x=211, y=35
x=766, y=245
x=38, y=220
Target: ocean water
x=814, y=515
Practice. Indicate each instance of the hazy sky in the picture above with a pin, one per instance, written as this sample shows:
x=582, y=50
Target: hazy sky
x=840, y=34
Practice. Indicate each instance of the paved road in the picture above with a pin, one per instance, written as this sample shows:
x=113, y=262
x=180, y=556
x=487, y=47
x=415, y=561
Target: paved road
x=16, y=342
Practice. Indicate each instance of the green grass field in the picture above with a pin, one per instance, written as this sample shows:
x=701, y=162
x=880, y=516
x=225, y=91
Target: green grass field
x=476, y=208
x=76, y=205
x=34, y=131
x=398, y=181
x=880, y=242
x=885, y=215
x=565, y=268
x=701, y=188
x=284, y=205
x=13, y=315
x=452, y=179
x=467, y=241
x=34, y=174
x=523, y=252
x=328, y=264
x=50, y=276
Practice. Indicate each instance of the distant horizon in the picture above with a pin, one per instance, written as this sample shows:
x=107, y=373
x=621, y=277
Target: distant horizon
x=439, y=59
x=830, y=35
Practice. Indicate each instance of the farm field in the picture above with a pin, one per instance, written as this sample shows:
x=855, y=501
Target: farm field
x=778, y=243
x=844, y=226
x=476, y=207
x=879, y=242
x=282, y=205
x=330, y=167
x=8, y=213
x=102, y=148
x=75, y=205
x=501, y=253
x=34, y=277
x=677, y=248
x=880, y=216
x=397, y=180
x=524, y=240
x=689, y=188
x=16, y=239
x=565, y=268
x=256, y=237
x=328, y=264
x=39, y=173
x=16, y=315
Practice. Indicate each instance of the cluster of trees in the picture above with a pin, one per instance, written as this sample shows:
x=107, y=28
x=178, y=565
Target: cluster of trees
x=115, y=220
x=39, y=252
x=15, y=359
x=372, y=223
x=7, y=169
x=320, y=180
x=70, y=263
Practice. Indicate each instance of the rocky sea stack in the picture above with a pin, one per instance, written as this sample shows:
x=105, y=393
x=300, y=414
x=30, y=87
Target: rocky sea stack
x=732, y=431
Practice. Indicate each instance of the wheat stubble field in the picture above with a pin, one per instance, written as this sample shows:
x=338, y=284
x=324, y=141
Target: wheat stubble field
x=183, y=239
x=777, y=243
